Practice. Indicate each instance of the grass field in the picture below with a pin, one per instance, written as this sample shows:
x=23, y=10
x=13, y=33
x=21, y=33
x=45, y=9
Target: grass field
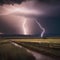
x=39, y=48
x=11, y=52
x=49, y=46
x=38, y=40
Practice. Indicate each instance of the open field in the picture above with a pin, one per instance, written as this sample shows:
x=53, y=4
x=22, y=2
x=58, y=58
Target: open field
x=49, y=47
x=42, y=48
x=11, y=52
x=37, y=40
x=51, y=43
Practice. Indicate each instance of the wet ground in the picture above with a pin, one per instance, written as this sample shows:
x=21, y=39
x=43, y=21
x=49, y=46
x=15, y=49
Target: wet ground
x=37, y=56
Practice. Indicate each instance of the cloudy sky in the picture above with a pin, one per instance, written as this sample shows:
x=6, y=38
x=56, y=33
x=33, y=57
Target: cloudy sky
x=30, y=18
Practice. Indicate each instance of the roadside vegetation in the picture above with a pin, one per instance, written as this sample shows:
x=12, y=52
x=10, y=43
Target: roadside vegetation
x=45, y=48
x=11, y=52
x=49, y=46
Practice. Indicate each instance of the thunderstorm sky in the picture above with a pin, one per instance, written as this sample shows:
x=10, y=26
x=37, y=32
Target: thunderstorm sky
x=21, y=18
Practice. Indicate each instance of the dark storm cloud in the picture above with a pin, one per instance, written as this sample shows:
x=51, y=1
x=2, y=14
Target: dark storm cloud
x=50, y=20
x=10, y=1
x=51, y=24
x=20, y=1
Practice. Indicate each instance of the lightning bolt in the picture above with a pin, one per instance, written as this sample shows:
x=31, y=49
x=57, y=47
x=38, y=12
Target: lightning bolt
x=25, y=11
x=24, y=28
x=42, y=28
